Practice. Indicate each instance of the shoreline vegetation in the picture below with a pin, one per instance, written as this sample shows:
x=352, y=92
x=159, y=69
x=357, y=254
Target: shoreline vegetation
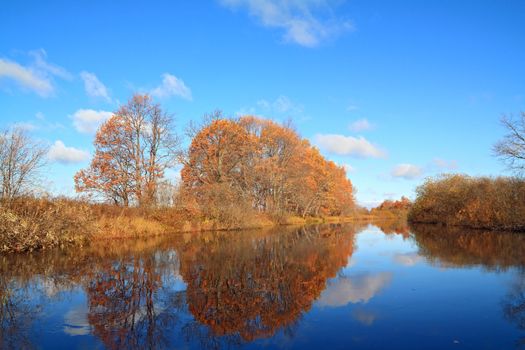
x=236, y=173
x=471, y=202
x=484, y=203
x=29, y=224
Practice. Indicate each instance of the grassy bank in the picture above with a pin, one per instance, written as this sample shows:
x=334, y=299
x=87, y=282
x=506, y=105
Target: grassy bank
x=28, y=224
x=475, y=202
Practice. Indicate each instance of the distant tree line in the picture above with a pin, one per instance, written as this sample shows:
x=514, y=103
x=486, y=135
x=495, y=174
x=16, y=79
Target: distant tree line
x=402, y=204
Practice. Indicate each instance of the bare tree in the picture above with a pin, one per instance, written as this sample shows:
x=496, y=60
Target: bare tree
x=21, y=159
x=511, y=149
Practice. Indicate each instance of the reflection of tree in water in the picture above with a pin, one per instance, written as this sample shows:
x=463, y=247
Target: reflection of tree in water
x=514, y=305
x=43, y=276
x=492, y=250
x=254, y=286
x=22, y=277
x=241, y=286
x=16, y=315
x=397, y=226
x=130, y=303
x=462, y=247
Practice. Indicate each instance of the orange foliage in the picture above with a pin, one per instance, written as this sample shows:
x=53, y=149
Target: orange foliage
x=132, y=150
x=403, y=204
x=259, y=165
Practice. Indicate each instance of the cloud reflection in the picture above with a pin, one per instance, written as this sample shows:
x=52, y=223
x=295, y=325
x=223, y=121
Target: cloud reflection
x=76, y=321
x=363, y=316
x=354, y=289
x=408, y=259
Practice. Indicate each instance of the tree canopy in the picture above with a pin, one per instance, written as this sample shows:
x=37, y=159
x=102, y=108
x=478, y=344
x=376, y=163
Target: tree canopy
x=264, y=166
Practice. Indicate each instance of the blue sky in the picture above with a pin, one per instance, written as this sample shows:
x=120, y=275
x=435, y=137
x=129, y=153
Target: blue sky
x=396, y=90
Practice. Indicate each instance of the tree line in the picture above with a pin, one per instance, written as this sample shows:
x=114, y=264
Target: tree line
x=232, y=166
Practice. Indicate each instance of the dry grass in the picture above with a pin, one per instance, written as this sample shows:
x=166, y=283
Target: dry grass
x=123, y=226
x=27, y=223
x=482, y=203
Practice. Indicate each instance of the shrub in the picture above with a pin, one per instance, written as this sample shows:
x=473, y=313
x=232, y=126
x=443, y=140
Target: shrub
x=460, y=200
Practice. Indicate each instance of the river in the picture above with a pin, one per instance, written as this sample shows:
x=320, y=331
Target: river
x=357, y=286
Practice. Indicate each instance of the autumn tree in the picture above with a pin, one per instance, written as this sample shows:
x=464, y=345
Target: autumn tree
x=21, y=159
x=133, y=148
x=266, y=167
x=511, y=149
x=275, y=163
x=214, y=172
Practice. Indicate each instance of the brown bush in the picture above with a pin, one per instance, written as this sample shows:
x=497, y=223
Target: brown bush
x=28, y=223
x=460, y=200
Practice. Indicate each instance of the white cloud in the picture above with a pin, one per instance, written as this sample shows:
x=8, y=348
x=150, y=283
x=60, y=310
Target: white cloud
x=351, y=108
x=26, y=77
x=444, y=164
x=348, y=146
x=87, y=121
x=38, y=123
x=40, y=63
x=355, y=289
x=407, y=171
x=94, y=86
x=172, y=86
x=67, y=155
x=305, y=22
x=247, y=111
x=37, y=77
x=281, y=105
x=26, y=126
x=360, y=125
x=282, y=108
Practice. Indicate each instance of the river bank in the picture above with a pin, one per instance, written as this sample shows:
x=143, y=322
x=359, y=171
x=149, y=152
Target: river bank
x=29, y=224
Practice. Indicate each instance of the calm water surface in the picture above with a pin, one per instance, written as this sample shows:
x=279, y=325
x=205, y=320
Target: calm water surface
x=334, y=286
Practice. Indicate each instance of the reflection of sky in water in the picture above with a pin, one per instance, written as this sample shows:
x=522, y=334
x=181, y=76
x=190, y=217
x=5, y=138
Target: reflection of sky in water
x=364, y=316
x=353, y=289
x=76, y=321
x=408, y=259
